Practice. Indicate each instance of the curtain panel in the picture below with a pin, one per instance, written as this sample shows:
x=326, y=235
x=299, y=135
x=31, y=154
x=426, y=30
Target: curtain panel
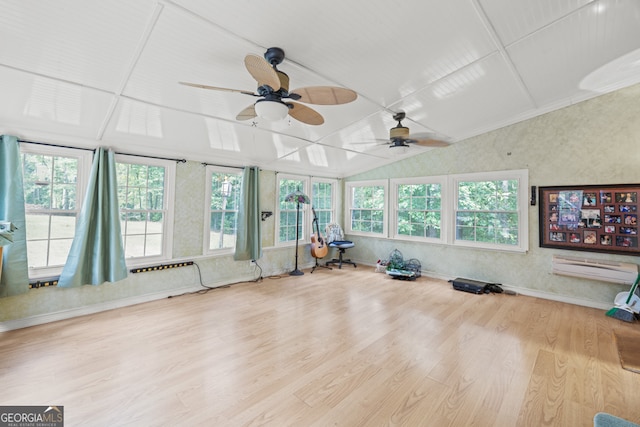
x=97, y=253
x=15, y=269
x=248, y=233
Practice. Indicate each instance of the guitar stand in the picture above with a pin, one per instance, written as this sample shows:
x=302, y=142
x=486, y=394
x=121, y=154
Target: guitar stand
x=320, y=265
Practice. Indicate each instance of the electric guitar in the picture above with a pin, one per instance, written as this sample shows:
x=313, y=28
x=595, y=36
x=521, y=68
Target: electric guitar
x=319, y=248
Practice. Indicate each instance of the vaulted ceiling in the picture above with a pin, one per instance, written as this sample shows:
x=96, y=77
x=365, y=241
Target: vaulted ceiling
x=89, y=72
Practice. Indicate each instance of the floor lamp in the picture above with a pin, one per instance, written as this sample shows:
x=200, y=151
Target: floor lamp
x=297, y=197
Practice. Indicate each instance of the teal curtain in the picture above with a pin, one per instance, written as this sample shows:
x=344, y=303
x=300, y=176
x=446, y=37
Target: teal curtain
x=248, y=232
x=15, y=270
x=97, y=254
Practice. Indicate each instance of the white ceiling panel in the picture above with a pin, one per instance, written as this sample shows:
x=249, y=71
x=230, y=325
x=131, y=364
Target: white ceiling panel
x=107, y=73
x=514, y=19
x=554, y=60
x=35, y=102
x=88, y=42
x=480, y=95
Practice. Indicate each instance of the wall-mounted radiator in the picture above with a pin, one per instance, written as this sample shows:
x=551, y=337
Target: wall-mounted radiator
x=615, y=272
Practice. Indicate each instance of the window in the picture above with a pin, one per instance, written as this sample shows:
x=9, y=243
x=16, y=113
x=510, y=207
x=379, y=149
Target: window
x=366, y=207
x=418, y=208
x=54, y=185
x=144, y=196
x=323, y=201
x=286, y=220
x=223, y=200
x=491, y=210
x=483, y=210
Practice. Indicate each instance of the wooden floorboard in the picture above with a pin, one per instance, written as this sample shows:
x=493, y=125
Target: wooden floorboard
x=347, y=347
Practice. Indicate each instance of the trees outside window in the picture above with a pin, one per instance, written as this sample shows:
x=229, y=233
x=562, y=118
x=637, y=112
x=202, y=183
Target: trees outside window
x=286, y=221
x=367, y=207
x=323, y=202
x=418, y=210
x=223, y=199
x=144, y=198
x=54, y=182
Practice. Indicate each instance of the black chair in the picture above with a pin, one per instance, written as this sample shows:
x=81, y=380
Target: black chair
x=334, y=237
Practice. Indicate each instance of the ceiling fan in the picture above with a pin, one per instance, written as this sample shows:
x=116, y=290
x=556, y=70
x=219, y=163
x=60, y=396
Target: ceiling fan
x=399, y=136
x=276, y=102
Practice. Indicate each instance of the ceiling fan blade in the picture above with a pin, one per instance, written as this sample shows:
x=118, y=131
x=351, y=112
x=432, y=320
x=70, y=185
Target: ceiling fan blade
x=224, y=89
x=431, y=143
x=372, y=142
x=262, y=71
x=425, y=140
x=247, y=114
x=325, y=95
x=305, y=114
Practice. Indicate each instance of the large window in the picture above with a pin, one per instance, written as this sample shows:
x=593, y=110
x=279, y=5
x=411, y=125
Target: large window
x=483, y=210
x=490, y=209
x=144, y=196
x=223, y=200
x=54, y=183
x=418, y=209
x=366, y=208
x=286, y=221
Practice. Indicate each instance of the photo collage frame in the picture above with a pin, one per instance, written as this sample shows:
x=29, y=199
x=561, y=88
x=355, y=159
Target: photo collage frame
x=590, y=218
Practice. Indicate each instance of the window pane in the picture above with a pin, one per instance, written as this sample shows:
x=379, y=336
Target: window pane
x=37, y=251
x=488, y=211
x=37, y=226
x=287, y=218
x=51, y=207
x=134, y=246
x=322, y=199
x=153, y=245
x=63, y=226
x=142, y=208
x=59, y=250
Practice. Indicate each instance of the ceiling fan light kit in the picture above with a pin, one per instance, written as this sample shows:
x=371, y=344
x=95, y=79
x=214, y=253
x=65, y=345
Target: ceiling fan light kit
x=273, y=89
x=271, y=110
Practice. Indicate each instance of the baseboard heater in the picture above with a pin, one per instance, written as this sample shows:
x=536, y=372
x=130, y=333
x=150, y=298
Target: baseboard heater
x=615, y=272
x=160, y=267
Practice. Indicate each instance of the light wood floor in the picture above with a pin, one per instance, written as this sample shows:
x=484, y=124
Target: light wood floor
x=346, y=347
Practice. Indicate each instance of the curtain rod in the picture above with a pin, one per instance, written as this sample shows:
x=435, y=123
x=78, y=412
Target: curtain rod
x=93, y=149
x=221, y=166
x=55, y=145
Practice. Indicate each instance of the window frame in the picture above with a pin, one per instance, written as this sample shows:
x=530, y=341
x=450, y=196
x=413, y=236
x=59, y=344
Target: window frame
x=210, y=171
x=168, y=207
x=85, y=160
x=349, y=189
x=305, y=210
x=520, y=175
x=393, y=211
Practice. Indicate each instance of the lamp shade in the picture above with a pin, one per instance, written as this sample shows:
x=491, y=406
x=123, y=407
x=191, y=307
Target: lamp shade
x=271, y=110
x=297, y=197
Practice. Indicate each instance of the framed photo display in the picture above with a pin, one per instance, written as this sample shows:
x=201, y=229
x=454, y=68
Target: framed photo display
x=597, y=218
